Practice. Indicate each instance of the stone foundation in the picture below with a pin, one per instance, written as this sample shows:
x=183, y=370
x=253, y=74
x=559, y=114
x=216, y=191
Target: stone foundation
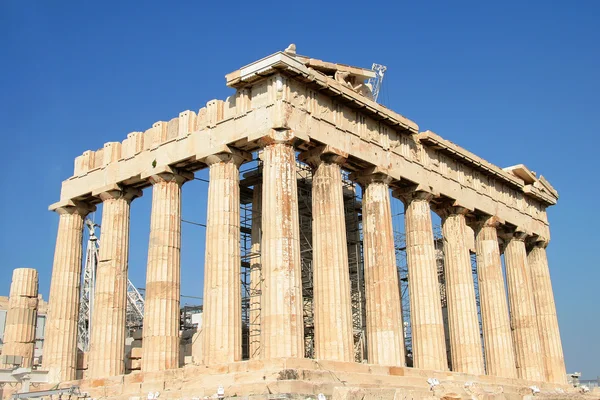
x=306, y=378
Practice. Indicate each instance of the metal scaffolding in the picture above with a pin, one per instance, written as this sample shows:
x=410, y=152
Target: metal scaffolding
x=251, y=291
x=135, y=301
x=401, y=262
x=353, y=213
x=304, y=174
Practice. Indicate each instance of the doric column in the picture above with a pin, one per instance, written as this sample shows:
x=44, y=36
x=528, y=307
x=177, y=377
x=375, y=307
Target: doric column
x=255, y=274
x=526, y=338
x=160, y=345
x=543, y=297
x=106, y=356
x=282, y=330
x=60, y=344
x=21, y=318
x=498, y=344
x=465, y=341
x=222, y=313
x=427, y=324
x=331, y=280
x=385, y=335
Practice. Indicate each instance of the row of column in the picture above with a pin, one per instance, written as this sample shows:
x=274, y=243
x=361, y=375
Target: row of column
x=281, y=316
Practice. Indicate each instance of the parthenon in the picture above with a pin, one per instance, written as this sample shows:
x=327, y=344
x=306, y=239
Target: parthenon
x=289, y=114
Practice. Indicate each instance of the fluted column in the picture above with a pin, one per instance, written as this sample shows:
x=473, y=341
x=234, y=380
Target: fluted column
x=160, y=345
x=255, y=274
x=331, y=280
x=427, y=324
x=106, y=356
x=222, y=313
x=465, y=341
x=282, y=329
x=21, y=318
x=498, y=344
x=60, y=344
x=385, y=335
x=552, y=353
x=526, y=338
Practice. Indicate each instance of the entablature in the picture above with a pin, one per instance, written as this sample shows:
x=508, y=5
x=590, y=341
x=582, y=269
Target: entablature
x=280, y=93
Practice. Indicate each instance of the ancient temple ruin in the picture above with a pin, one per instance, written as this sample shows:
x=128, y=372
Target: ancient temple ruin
x=317, y=139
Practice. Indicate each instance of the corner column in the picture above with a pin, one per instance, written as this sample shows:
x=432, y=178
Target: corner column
x=427, y=324
x=385, y=334
x=21, y=318
x=107, y=342
x=222, y=315
x=543, y=297
x=160, y=345
x=465, y=341
x=526, y=337
x=60, y=347
x=498, y=344
x=282, y=330
x=332, y=302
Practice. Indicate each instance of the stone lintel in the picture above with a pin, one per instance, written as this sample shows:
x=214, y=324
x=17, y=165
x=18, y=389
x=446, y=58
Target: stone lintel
x=273, y=136
x=166, y=172
x=71, y=207
x=325, y=153
x=116, y=191
x=227, y=154
x=372, y=174
x=419, y=191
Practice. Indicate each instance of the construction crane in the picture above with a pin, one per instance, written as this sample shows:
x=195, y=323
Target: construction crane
x=376, y=82
x=135, y=301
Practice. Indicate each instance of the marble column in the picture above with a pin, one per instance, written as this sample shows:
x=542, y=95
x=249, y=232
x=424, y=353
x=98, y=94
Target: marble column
x=427, y=324
x=160, y=345
x=526, y=337
x=60, y=344
x=21, y=316
x=498, y=344
x=385, y=335
x=282, y=329
x=222, y=314
x=106, y=356
x=543, y=297
x=465, y=341
x=331, y=280
x=255, y=274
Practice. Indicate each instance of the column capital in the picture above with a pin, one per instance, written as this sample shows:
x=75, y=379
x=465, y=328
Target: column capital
x=371, y=175
x=228, y=155
x=116, y=191
x=446, y=209
x=415, y=192
x=517, y=233
x=278, y=136
x=537, y=241
x=484, y=221
x=72, y=207
x=328, y=154
x=166, y=173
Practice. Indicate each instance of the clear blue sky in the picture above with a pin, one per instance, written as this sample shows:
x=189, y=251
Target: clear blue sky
x=514, y=82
